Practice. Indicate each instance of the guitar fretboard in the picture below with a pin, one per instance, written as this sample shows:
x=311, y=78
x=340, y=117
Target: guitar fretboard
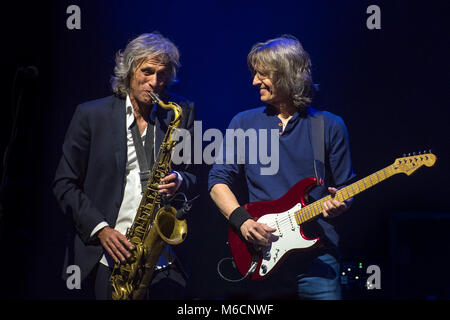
x=314, y=209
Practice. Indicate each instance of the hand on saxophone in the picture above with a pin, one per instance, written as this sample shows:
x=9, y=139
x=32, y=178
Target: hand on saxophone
x=115, y=243
x=170, y=184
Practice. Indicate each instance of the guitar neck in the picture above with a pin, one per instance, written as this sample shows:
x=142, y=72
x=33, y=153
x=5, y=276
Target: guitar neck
x=314, y=209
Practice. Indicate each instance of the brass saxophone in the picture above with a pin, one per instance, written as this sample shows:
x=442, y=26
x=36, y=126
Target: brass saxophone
x=152, y=227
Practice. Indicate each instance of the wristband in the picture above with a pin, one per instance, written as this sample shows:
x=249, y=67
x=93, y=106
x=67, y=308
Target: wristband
x=238, y=217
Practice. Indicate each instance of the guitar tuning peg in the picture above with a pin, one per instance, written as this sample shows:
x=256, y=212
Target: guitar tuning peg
x=414, y=153
x=409, y=154
x=404, y=155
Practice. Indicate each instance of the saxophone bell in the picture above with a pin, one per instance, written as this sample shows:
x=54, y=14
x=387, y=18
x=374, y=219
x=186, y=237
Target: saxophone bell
x=172, y=230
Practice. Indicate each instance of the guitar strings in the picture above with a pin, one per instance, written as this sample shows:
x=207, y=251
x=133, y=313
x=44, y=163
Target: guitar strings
x=287, y=221
x=360, y=185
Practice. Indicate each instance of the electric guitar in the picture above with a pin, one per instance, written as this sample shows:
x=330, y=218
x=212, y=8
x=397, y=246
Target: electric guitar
x=288, y=213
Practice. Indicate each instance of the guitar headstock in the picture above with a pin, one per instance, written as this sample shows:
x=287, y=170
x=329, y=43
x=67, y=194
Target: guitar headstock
x=410, y=163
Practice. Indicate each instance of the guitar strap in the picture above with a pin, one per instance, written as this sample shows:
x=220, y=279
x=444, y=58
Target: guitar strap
x=317, y=142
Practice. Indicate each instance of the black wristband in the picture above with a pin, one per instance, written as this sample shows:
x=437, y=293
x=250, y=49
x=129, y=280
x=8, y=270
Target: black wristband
x=238, y=217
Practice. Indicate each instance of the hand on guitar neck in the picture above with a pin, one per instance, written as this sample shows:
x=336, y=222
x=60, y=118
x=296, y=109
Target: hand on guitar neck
x=333, y=208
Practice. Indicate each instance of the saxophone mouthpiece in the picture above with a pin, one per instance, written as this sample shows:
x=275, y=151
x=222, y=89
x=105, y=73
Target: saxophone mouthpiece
x=155, y=98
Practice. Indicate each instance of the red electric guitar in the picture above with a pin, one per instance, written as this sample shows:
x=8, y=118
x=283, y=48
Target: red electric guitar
x=287, y=214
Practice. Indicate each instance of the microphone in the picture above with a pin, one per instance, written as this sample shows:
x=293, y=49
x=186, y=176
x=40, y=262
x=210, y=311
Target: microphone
x=30, y=72
x=181, y=213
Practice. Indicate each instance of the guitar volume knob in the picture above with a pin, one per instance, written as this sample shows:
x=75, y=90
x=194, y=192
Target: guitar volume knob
x=263, y=268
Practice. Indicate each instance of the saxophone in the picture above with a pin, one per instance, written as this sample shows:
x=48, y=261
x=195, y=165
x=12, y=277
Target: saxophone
x=153, y=226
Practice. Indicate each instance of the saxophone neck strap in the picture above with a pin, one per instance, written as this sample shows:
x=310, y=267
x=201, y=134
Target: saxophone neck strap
x=144, y=151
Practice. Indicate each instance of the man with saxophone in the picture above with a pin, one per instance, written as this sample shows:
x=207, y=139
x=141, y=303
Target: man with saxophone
x=100, y=178
x=281, y=71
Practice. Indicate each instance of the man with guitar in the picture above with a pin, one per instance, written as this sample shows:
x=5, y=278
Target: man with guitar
x=281, y=70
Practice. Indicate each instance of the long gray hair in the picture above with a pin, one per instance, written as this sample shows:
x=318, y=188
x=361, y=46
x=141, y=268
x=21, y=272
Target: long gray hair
x=145, y=46
x=287, y=64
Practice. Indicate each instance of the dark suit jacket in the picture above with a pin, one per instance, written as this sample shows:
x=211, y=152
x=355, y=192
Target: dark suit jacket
x=90, y=179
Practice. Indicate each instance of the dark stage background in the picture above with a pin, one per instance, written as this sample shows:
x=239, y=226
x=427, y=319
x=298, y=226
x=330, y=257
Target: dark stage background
x=390, y=86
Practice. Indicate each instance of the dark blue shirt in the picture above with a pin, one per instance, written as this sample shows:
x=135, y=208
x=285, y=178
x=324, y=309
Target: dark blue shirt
x=296, y=158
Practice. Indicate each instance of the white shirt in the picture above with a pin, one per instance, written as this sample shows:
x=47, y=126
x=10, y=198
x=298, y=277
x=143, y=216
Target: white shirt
x=132, y=193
